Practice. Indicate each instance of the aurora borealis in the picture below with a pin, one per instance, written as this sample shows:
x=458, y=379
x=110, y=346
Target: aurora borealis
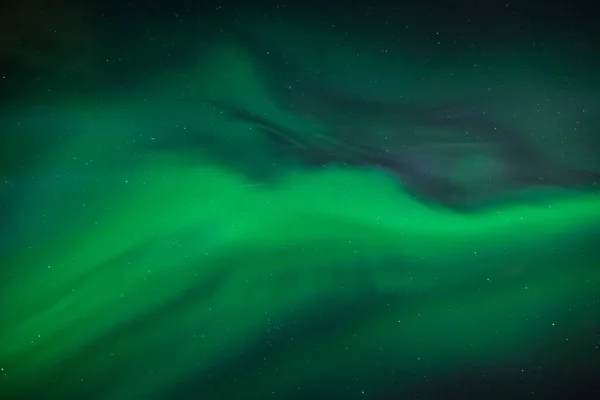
x=170, y=231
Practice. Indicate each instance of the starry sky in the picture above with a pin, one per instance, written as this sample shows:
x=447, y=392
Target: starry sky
x=224, y=201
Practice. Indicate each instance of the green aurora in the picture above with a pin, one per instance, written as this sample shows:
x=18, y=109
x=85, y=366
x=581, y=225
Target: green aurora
x=133, y=268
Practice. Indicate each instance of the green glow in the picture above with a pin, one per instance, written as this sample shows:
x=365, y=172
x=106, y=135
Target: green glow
x=132, y=269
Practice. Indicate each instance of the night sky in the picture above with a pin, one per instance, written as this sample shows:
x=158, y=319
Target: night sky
x=316, y=201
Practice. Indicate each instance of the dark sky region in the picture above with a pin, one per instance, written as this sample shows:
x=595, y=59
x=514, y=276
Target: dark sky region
x=393, y=200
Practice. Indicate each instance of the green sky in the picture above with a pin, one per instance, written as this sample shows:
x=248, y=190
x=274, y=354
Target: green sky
x=141, y=257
